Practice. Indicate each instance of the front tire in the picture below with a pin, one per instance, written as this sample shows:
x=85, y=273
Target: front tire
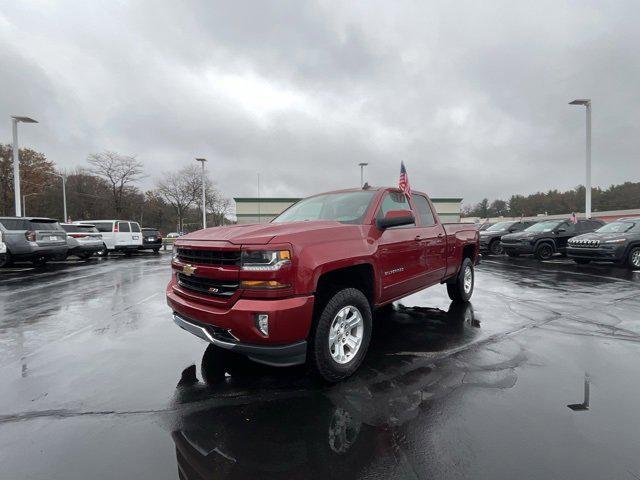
x=341, y=335
x=461, y=287
x=544, y=251
x=495, y=248
x=634, y=258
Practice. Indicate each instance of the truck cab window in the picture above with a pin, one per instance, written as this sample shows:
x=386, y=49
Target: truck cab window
x=424, y=211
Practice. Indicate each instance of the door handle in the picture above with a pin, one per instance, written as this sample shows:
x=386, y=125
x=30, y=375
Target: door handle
x=440, y=235
x=418, y=238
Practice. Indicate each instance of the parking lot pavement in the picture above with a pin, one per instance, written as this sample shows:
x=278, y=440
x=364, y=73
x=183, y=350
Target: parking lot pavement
x=538, y=378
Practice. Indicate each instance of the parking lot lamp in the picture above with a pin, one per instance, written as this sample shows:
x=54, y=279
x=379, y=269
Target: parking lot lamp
x=362, y=165
x=16, y=160
x=204, y=202
x=24, y=202
x=587, y=103
x=64, y=194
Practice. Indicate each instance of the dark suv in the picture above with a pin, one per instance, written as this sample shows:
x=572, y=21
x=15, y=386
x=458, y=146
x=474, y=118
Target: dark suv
x=546, y=238
x=490, y=238
x=151, y=239
x=617, y=241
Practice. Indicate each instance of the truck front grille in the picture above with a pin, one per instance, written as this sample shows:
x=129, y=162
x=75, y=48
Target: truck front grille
x=584, y=243
x=209, y=257
x=208, y=286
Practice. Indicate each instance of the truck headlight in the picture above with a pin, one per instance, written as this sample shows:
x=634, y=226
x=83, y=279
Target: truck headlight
x=616, y=240
x=264, y=260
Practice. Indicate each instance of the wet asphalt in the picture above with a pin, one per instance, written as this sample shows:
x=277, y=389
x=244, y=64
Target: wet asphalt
x=539, y=377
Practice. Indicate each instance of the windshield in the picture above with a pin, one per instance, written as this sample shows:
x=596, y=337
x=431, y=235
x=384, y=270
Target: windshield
x=544, y=226
x=346, y=207
x=499, y=226
x=616, y=227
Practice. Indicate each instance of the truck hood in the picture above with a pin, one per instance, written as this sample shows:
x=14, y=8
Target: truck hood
x=599, y=236
x=258, y=233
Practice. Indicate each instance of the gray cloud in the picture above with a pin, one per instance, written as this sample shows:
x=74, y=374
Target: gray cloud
x=473, y=97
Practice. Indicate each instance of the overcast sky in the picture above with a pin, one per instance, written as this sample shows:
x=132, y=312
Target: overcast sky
x=471, y=95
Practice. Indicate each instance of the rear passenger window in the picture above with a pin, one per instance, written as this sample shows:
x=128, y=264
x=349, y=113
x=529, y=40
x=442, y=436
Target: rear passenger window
x=124, y=227
x=15, y=224
x=135, y=227
x=424, y=211
x=104, y=226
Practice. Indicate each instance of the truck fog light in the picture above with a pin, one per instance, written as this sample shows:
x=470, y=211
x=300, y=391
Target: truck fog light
x=262, y=322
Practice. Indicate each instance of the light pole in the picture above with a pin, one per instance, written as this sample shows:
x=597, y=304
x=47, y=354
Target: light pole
x=587, y=194
x=16, y=160
x=64, y=194
x=24, y=202
x=362, y=165
x=204, y=203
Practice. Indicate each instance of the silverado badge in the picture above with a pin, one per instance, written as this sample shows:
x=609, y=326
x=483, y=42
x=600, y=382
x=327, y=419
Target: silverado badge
x=189, y=270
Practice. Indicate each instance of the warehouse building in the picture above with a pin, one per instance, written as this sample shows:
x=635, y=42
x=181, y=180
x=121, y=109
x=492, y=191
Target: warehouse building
x=263, y=210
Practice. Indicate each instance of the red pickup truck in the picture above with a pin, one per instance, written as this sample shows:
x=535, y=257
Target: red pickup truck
x=303, y=287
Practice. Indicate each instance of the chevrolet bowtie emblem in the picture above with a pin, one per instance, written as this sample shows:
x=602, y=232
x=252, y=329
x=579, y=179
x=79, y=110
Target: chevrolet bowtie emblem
x=189, y=270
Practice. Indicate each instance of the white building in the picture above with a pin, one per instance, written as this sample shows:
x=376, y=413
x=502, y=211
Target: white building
x=263, y=210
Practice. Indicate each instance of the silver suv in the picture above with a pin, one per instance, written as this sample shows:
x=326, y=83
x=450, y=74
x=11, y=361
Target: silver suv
x=32, y=239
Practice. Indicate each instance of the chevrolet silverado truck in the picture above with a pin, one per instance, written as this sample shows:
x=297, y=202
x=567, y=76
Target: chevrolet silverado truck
x=302, y=288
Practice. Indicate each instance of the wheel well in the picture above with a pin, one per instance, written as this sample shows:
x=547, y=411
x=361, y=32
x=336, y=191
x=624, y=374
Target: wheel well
x=357, y=276
x=547, y=240
x=469, y=251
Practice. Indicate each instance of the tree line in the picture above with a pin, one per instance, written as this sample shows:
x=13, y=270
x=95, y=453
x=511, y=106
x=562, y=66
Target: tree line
x=108, y=187
x=617, y=197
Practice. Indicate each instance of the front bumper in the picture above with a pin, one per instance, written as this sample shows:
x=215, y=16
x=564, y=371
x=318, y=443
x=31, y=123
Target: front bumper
x=233, y=323
x=276, y=355
x=608, y=254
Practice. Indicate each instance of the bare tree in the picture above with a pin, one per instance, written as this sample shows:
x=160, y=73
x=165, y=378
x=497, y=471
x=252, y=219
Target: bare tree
x=119, y=171
x=217, y=205
x=181, y=189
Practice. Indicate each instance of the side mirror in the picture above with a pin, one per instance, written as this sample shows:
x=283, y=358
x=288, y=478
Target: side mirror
x=512, y=229
x=395, y=218
x=561, y=230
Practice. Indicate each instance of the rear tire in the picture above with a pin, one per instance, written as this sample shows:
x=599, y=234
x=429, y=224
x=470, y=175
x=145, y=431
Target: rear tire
x=460, y=288
x=544, y=251
x=495, y=248
x=103, y=252
x=39, y=261
x=582, y=261
x=341, y=334
x=128, y=253
x=5, y=259
x=156, y=250
x=634, y=258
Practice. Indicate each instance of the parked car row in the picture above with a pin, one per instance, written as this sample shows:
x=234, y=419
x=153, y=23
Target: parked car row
x=582, y=240
x=38, y=240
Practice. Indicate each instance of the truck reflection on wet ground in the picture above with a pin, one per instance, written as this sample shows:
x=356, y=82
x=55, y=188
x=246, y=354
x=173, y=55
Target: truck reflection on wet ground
x=299, y=428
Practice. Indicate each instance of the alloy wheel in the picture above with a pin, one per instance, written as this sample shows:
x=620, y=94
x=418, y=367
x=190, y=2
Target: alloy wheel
x=345, y=334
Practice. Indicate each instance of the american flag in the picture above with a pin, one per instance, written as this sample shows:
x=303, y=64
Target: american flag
x=403, y=182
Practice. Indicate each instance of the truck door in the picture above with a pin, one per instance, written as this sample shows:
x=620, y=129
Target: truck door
x=401, y=256
x=432, y=238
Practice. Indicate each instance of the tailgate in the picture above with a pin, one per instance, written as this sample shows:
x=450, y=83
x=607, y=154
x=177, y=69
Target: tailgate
x=51, y=237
